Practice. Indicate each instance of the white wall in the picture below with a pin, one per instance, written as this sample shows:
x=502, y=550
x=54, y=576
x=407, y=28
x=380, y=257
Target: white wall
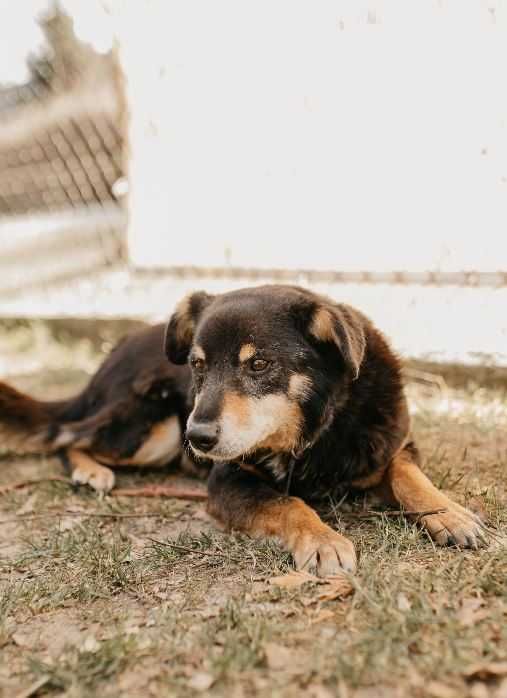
x=325, y=135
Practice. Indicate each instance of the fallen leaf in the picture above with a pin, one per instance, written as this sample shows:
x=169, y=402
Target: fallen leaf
x=28, y=506
x=440, y=690
x=22, y=639
x=318, y=691
x=90, y=644
x=277, y=656
x=68, y=523
x=403, y=603
x=321, y=616
x=201, y=681
x=486, y=672
x=470, y=612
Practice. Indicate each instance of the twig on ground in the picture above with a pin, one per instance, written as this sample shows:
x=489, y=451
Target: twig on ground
x=187, y=549
x=32, y=690
x=195, y=493
x=172, y=490
x=397, y=512
x=27, y=483
x=83, y=514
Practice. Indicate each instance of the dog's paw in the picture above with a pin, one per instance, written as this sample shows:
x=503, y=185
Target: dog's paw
x=324, y=553
x=455, y=525
x=100, y=478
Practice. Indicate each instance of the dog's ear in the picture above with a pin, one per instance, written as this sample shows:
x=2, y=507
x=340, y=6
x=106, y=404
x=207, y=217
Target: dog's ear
x=179, y=333
x=343, y=326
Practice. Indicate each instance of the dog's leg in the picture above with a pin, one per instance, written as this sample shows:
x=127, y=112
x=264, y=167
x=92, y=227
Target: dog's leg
x=86, y=470
x=242, y=501
x=406, y=485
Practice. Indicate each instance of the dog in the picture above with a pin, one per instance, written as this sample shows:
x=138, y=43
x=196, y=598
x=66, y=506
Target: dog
x=131, y=413
x=295, y=399
x=285, y=396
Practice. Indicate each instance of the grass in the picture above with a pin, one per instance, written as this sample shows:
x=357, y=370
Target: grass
x=167, y=605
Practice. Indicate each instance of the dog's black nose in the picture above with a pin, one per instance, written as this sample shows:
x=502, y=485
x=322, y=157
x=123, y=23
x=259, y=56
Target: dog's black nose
x=203, y=435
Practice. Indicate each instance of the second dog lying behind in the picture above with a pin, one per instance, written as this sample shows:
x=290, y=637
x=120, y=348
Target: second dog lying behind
x=132, y=412
x=297, y=398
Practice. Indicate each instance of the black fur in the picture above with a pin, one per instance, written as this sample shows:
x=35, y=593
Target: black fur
x=355, y=415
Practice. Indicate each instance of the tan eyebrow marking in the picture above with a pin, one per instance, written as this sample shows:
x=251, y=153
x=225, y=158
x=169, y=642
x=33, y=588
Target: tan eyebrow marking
x=300, y=386
x=199, y=353
x=246, y=352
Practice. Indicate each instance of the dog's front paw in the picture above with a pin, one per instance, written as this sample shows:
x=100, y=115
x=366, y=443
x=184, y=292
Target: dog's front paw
x=324, y=553
x=455, y=525
x=100, y=478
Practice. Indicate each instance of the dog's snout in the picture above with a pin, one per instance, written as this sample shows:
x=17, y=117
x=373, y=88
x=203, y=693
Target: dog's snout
x=203, y=435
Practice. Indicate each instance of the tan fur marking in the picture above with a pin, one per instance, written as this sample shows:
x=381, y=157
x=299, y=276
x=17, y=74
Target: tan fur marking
x=372, y=480
x=255, y=471
x=199, y=352
x=184, y=324
x=300, y=386
x=312, y=543
x=246, y=352
x=406, y=485
x=237, y=407
x=286, y=437
x=322, y=326
x=286, y=518
x=243, y=414
x=160, y=447
x=410, y=486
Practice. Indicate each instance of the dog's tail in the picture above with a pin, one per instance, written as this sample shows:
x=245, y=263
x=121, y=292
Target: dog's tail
x=28, y=425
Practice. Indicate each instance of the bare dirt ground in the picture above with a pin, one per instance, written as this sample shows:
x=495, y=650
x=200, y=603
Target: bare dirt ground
x=151, y=600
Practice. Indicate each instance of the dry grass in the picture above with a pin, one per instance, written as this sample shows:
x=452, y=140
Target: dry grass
x=95, y=607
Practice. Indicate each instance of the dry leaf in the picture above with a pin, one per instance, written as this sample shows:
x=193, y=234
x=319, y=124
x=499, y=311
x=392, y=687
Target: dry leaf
x=470, y=612
x=22, y=639
x=440, y=690
x=317, y=690
x=28, y=506
x=292, y=580
x=201, y=681
x=91, y=644
x=486, y=672
x=403, y=603
x=277, y=657
x=321, y=616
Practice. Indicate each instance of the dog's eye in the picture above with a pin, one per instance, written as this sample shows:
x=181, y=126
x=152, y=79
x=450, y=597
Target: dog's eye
x=259, y=365
x=197, y=364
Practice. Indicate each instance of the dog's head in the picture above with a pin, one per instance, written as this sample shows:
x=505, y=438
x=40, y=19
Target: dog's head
x=266, y=362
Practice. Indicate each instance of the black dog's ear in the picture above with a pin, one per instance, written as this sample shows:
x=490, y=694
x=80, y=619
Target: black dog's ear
x=343, y=326
x=179, y=333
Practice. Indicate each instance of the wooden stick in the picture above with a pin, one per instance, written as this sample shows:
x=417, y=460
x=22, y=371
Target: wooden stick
x=91, y=514
x=174, y=491
x=186, y=548
x=27, y=483
x=398, y=512
x=31, y=690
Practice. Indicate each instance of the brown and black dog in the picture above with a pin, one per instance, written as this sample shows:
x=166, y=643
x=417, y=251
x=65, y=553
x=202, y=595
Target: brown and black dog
x=290, y=398
x=295, y=399
x=132, y=412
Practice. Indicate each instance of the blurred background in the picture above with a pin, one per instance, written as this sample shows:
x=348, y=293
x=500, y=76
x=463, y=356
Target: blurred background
x=359, y=148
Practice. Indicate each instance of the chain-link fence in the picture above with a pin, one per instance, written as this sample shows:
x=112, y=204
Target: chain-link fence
x=62, y=173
